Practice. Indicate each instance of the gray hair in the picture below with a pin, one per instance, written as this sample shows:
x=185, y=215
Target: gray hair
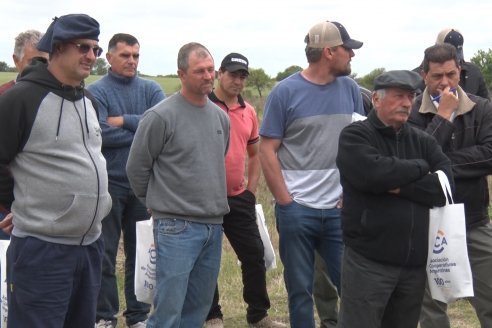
x=27, y=38
x=187, y=49
x=380, y=93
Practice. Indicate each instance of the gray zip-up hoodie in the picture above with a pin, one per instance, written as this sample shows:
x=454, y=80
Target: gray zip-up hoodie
x=51, y=139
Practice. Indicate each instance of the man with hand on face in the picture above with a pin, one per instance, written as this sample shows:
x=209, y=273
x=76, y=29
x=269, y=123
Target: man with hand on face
x=51, y=141
x=462, y=125
x=122, y=97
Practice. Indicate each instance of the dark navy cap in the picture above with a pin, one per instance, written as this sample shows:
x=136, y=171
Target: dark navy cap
x=401, y=79
x=69, y=27
x=454, y=37
x=234, y=62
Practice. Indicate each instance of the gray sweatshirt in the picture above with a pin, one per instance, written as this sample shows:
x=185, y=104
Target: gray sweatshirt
x=176, y=162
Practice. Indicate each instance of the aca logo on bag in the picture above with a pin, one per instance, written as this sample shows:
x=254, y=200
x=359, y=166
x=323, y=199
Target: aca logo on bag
x=150, y=269
x=439, y=242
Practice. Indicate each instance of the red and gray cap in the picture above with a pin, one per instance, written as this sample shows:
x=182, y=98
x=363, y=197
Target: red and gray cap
x=454, y=37
x=331, y=34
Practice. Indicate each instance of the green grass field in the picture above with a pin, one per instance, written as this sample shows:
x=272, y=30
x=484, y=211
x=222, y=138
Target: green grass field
x=168, y=84
x=461, y=313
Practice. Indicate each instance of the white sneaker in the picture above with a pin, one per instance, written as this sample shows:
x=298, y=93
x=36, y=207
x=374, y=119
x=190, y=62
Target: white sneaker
x=104, y=324
x=141, y=324
x=214, y=323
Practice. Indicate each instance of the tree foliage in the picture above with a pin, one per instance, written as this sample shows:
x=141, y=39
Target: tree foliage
x=367, y=81
x=483, y=59
x=4, y=67
x=259, y=80
x=288, y=72
x=100, y=67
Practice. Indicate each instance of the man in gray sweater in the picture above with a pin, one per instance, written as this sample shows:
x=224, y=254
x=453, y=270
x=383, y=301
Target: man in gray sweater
x=176, y=168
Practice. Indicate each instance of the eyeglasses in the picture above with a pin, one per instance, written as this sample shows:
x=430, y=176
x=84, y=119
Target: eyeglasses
x=84, y=48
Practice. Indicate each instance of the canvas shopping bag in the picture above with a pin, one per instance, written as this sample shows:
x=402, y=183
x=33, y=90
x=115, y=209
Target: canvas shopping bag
x=448, y=268
x=270, y=257
x=4, y=244
x=145, y=258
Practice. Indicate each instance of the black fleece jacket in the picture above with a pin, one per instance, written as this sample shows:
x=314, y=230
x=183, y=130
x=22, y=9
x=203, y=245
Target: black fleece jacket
x=374, y=159
x=467, y=141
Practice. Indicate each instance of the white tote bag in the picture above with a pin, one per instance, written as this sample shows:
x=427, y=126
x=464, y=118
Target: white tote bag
x=4, y=244
x=145, y=258
x=270, y=257
x=448, y=268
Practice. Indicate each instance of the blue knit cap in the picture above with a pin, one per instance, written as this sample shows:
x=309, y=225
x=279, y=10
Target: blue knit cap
x=69, y=27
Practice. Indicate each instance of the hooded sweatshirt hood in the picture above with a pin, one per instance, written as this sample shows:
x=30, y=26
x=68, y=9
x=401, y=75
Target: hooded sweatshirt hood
x=37, y=72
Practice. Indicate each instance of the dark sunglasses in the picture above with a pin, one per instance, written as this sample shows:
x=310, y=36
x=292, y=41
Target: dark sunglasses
x=84, y=48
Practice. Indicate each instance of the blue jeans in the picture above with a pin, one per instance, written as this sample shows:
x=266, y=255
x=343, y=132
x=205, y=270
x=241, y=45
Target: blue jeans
x=188, y=263
x=302, y=230
x=126, y=210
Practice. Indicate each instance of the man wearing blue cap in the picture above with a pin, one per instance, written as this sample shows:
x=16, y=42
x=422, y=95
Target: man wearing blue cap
x=385, y=168
x=51, y=141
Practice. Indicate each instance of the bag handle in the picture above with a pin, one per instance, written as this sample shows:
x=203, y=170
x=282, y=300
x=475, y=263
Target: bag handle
x=446, y=188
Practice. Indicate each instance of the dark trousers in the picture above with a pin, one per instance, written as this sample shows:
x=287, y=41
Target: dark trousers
x=52, y=285
x=377, y=295
x=242, y=232
x=126, y=210
x=325, y=294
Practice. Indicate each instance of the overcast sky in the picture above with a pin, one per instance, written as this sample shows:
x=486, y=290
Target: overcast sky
x=269, y=32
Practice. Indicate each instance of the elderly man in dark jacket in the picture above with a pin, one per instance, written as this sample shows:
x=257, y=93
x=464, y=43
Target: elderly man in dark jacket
x=388, y=187
x=462, y=124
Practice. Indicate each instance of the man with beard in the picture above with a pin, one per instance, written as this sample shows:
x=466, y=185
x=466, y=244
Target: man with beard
x=303, y=117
